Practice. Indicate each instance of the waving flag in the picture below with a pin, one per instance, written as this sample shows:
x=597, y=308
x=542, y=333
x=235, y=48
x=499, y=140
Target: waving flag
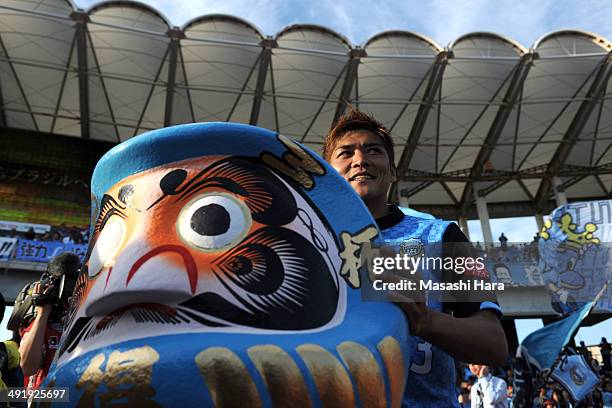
x=576, y=376
x=542, y=347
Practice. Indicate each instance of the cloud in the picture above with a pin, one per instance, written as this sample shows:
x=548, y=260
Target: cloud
x=442, y=20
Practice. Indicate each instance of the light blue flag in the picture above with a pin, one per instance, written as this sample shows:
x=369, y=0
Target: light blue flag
x=576, y=376
x=542, y=347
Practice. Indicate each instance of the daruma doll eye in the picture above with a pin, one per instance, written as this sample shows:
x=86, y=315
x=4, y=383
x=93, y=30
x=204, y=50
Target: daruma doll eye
x=107, y=246
x=214, y=221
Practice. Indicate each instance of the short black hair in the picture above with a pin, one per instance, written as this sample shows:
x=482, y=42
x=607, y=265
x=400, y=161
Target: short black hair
x=357, y=120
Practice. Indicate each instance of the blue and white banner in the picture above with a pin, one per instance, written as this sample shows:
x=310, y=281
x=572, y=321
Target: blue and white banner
x=7, y=246
x=43, y=251
x=542, y=347
x=574, y=254
x=576, y=376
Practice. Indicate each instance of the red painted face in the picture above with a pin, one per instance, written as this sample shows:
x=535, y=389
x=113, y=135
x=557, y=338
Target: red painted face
x=223, y=236
x=185, y=229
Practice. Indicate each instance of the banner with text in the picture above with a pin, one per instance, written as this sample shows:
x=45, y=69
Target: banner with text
x=43, y=251
x=7, y=245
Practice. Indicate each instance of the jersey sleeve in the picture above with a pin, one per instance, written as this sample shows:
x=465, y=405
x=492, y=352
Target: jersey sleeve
x=463, y=306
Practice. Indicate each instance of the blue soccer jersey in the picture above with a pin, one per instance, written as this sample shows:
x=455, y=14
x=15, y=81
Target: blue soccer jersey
x=431, y=376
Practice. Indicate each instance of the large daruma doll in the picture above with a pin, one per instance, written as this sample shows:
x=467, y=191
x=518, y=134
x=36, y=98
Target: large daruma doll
x=224, y=270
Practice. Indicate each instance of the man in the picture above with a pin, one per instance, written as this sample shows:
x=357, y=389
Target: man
x=489, y=391
x=40, y=335
x=606, y=355
x=361, y=150
x=39, y=341
x=503, y=240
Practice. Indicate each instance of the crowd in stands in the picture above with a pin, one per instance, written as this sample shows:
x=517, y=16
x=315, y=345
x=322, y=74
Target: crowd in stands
x=548, y=392
x=62, y=233
x=516, y=252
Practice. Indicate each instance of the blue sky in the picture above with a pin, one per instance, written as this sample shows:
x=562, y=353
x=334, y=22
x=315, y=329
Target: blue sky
x=441, y=20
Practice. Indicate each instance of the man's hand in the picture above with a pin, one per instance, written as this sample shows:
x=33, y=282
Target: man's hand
x=40, y=297
x=418, y=316
x=479, y=370
x=412, y=302
x=483, y=371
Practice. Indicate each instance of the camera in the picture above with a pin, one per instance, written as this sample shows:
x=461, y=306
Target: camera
x=57, y=284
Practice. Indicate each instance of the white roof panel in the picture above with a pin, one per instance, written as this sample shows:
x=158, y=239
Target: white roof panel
x=522, y=113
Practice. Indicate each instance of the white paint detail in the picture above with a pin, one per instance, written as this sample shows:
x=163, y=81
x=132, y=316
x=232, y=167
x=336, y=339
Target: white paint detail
x=240, y=222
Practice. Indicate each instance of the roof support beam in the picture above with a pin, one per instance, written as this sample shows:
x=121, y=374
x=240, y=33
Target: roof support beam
x=449, y=192
x=175, y=35
x=96, y=64
x=151, y=91
x=355, y=56
x=81, y=18
x=181, y=62
x=499, y=122
x=63, y=85
x=244, y=86
x=483, y=192
x=276, y=123
x=525, y=189
x=435, y=81
x=601, y=184
x=436, y=72
x=534, y=173
x=3, y=122
x=264, y=63
x=19, y=85
x=414, y=190
x=593, y=96
x=322, y=105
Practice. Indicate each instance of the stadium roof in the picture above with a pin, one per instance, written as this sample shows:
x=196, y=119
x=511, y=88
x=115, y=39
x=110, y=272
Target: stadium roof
x=484, y=116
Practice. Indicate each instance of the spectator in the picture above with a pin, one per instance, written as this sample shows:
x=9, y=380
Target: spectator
x=471, y=381
x=464, y=398
x=489, y=391
x=597, y=398
x=539, y=400
x=504, y=241
x=30, y=234
x=606, y=357
x=509, y=392
x=40, y=336
x=75, y=236
x=607, y=392
x=67, y=238
x=557, y=397
x=585, y=351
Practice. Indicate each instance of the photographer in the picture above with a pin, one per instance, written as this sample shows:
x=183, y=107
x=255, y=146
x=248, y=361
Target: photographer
x=38, y=315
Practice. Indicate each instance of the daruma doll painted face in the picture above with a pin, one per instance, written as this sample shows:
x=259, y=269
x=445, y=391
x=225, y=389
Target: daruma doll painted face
x=224, y=270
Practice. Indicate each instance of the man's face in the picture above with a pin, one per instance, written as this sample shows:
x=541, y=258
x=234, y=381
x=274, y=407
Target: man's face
x=360, y=157
x=478, y=369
